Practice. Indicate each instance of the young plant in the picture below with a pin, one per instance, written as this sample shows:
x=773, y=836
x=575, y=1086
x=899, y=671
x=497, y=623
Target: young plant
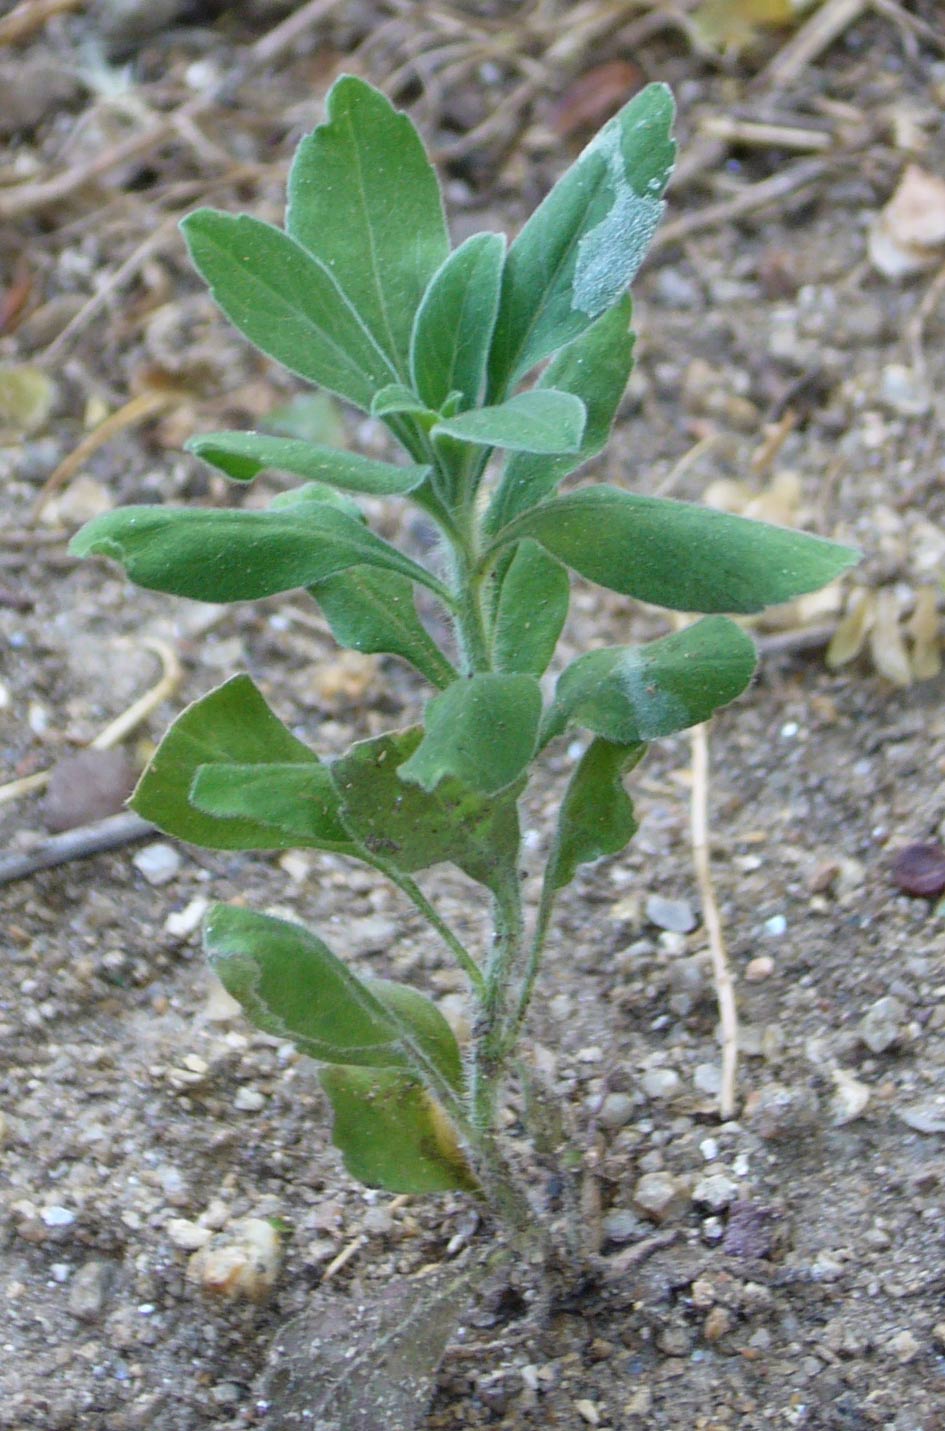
x=361, y=295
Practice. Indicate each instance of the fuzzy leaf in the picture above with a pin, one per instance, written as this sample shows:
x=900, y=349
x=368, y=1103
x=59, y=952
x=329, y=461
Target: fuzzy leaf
x=630, y=694
x=678, y=555
x=412, y=829
x=531, y=611
x=291, y=985
x=215, y=555
x=393, y=1134
x=594, y=368
x=373, y=611
x=300, y=801
x=369, y=1360
x=397, y=399
x=364, y=199
x=449, y=348
x=538, y=421
x=233, y=724
x=596, y=816
x=482, y=731
x=243, y=455
x=580, y=249
x=286, y=303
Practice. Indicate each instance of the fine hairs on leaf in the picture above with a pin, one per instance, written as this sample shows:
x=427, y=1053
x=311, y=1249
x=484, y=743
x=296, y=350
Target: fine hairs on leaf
x=497, y=370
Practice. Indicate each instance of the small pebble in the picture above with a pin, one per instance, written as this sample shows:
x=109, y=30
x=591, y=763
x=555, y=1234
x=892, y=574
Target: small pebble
x=660, y=1195
x=159, y=862
x=707, y=1078
x=57, y=1216
x=776, y=926
x=240, y=1264
x=616, y=1110
x=779, y=1111
x=249, y=1100
x=850, y=1098
x=88, y=1291
x=621, y=1225
x=660, y=1083
x=759, y=969
x=904, y=1347
x=715, y=1191
x=183, y=922
x=882, y=1025
x=188, y=1235
x=920, y=870
x=675, y=915
x=717, y=1323
x=924, y=1117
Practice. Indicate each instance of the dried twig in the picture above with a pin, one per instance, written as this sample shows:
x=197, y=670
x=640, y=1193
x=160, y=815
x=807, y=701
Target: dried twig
x=108, y=834
x=826, y=24
x=139, y=409
x=120, y=727
x=750, y=199
x=767, y=136
x=724, y=988
x=31, y=15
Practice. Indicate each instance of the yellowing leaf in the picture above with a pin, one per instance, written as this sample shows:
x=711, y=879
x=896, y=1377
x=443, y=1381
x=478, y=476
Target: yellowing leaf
x=26, y=398
x=735, y=25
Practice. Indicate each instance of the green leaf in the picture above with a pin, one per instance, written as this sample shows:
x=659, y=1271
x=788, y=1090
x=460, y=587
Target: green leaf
x=580, y=249
x=531, y=611
x=396, y=399
x=541, y=420
x=291, y=985
x=286, y=303
x=411, y=829
x=679, y=555
x=231, y=725
x=243, y=455
x=364, y=199
x=393, y=1134
x=310, y=417
x=595, y=368
x=481, y=730
x=213, y=555
x=373, y=611
x=299, y=801
x=596, y=816
x=452, y=331
x=318, y=492
x=630, y=694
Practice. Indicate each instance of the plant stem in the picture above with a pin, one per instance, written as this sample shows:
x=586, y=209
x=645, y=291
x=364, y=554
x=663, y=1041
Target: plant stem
x=542, y=925
x=415, y=894
x=490, y=1044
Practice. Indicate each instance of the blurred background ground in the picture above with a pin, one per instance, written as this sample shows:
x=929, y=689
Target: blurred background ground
x=790, y=365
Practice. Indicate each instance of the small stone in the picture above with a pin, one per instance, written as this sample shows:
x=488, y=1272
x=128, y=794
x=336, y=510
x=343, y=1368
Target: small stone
x=249, y=1100
x=850, y=1098
x=661, y=1083
x=882, y=1025
x=57, y=1216
x=775, y=926
x=88, y=1292
x=707, y=1078
x=87, y=787
x=240, y=1264
x=659, y=1195
x=902, y=390
x=378, y=1222
x=920, y=870
x=158, y=862
x=717, y=1323
x=715, y=1190
x=588, y=1412
x=188, y=1235
x=184, y=922
x=640, y=1403
x=924, y=1117
x=621, y=1225
x=938, y=1332
x=759, y=969
x=780, y=1110
x=616, y=1111
x=674, y=915
x=675, y=1341
x=904, y=1347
